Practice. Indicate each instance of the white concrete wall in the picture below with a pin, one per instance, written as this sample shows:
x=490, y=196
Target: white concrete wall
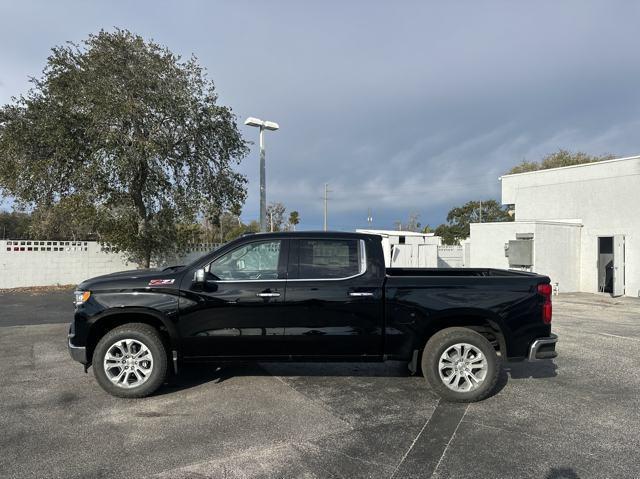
x=605, y=196
x=487, y=243
x=451, y=256
x=556, y=253
x=556, y=248
x=45, y=263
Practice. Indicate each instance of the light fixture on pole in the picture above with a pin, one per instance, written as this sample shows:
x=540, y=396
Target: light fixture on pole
x=263, y=125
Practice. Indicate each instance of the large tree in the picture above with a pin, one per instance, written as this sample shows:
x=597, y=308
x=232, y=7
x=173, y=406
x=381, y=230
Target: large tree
x=15, y=225
x=558, y=159
x=460, y=218
x=132, y=133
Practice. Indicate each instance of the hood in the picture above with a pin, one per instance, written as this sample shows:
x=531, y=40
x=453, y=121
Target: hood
x=135, y=278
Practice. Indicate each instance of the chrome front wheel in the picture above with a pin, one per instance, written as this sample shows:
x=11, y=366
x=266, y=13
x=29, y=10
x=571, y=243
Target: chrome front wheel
x=128, y=363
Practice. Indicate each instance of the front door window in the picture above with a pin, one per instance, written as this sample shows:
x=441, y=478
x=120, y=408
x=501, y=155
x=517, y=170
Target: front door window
x=252, y=261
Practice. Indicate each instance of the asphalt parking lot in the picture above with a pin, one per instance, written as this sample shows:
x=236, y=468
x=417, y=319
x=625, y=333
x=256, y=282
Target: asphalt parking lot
x=575, y=417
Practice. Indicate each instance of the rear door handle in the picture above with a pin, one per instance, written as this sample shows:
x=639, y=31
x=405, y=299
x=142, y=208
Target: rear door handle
x=268, y=295
x=359, y=294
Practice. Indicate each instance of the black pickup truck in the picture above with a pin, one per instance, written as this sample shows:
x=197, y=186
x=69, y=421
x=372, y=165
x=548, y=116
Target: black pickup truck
x=308, y=297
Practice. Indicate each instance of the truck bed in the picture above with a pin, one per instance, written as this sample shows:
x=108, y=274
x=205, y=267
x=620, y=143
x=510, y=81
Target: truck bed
x=457, y=272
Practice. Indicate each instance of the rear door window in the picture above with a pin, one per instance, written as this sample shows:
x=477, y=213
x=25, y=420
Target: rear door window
x=329, y=258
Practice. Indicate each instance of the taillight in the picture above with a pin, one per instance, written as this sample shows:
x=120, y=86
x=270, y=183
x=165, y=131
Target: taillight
x=545, y=291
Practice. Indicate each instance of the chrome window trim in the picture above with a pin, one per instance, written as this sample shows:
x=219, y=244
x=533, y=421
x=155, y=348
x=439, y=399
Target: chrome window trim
x=363, y=269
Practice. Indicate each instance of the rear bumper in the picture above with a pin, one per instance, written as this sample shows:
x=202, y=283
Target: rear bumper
x=543, y=348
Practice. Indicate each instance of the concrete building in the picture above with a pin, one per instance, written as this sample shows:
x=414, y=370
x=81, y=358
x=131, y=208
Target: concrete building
x=580, y=225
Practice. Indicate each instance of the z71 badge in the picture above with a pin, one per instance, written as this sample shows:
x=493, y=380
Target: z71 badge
x=161, y=282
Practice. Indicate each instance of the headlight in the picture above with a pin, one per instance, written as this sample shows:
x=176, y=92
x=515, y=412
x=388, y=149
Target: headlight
x=81, y=297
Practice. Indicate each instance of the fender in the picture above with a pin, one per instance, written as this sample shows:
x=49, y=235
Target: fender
x=424, y=323
x=163, y=318
x=479, y=313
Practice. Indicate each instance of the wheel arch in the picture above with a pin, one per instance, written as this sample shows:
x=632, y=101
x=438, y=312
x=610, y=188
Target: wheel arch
x=484, y=322
x=112, y=319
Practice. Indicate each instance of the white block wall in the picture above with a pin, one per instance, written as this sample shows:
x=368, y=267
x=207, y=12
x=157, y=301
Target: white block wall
x=451, y=256
x=46, y=263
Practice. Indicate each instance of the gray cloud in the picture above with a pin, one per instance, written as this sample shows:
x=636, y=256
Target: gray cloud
x=401, y=109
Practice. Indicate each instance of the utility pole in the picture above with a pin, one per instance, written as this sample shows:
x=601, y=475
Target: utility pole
x=369, y=218
x=271, y=220
x=480, y=211
x=326, y=197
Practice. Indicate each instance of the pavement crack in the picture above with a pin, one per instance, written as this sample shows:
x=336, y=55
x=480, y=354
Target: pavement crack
x=619, y=337
x=487, y=426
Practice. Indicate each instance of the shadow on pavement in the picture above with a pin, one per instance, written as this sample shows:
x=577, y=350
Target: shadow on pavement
x=562, y=473
x=545, y=368
x=192, y=375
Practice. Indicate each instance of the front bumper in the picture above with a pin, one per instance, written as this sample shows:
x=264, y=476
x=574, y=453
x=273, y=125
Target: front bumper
x=543, y=348
x=77, y=353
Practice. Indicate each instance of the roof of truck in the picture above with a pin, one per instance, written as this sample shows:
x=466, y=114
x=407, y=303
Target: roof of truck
x=316, y=234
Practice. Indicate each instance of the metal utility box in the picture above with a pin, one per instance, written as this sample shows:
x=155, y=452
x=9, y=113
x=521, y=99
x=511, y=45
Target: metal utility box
x=520, y=252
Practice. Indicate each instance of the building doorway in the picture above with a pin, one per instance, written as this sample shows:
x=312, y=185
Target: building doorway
x=611, y=265
x=605, y=264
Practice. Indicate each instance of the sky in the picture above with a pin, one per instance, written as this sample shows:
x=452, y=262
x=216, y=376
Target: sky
x=409, y=107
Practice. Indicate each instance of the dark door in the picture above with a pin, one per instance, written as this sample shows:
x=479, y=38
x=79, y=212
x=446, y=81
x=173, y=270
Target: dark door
x=334, y=304
x=605, y=264
x=239, y=309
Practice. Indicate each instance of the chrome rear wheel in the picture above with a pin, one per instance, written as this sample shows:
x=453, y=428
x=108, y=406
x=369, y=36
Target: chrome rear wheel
x=462, y=367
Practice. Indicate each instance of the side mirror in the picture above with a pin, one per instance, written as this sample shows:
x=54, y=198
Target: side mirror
x=198, y=276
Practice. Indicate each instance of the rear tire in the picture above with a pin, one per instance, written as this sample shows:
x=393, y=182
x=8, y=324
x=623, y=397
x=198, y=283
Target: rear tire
x=130, y=361
x=460, y=365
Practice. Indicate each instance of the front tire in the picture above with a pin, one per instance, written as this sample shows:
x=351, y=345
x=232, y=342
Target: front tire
x=460, y=365
x=130, y=361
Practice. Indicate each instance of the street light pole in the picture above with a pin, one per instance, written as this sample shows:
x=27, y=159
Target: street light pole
x=263, y=125
x=263, y=185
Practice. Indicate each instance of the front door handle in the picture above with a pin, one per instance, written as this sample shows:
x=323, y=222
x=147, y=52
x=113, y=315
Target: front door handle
x=359, y=294
x=268, y=295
